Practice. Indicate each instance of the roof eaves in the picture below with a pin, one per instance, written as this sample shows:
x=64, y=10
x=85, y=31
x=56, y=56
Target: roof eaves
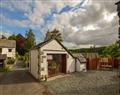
x=44, y=43
x=117, y=3
x=65, y=48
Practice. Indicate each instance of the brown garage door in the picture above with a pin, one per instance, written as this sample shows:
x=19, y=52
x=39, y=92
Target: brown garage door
x=56, y=64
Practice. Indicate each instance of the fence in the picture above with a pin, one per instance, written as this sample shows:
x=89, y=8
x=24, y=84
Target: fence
x=96, y=63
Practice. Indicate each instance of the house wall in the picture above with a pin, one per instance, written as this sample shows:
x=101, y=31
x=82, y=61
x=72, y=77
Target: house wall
x=54, y=47
x=33, y=63
x=9, y=54
x=80, y=66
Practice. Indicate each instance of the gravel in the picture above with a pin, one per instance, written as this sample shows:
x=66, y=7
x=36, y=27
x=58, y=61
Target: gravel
x=85, y=83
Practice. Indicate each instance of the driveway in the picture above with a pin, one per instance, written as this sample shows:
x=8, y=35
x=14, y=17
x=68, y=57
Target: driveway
x=20, y=82
x=86, y=83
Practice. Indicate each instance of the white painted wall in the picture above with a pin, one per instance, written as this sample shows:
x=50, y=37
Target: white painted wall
x=57, y=49
x=70, y=64
x=33, y=63
x=9, y=54
x=52, y=47
x=80, y=66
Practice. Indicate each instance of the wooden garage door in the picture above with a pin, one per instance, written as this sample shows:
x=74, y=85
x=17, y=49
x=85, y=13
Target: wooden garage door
x=56, y=64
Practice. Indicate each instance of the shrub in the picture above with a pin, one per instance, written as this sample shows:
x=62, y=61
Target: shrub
x=4, y=69
x=111, y=51
x=10, y=60
x=24, y=65
x=23, y=58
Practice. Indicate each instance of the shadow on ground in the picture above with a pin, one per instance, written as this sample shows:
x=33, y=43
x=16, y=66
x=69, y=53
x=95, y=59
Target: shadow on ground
x=16, y=76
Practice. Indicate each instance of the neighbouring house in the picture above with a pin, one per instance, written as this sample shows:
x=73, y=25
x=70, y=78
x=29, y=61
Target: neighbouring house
x=8, y=48
x=51, y=58
x=20, y=44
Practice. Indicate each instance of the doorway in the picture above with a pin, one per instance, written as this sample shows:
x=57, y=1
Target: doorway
x=56, y=64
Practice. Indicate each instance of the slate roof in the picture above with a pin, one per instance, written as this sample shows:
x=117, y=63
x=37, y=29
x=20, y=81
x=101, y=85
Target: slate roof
x=80, y=57
x=42, y=43
x=4, y=43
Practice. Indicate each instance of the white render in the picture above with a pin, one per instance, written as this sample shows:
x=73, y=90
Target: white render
x=33, y=68
x=80, y=66
x=9, y=54
x=80, y=62
x=52, y=47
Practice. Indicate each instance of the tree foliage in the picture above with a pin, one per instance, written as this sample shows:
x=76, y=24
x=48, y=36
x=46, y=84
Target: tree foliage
x=3, y=37
x=55, y=34
x=48, y=35
x=30, y=40
x=12, y=37
x=88, y=50
x=111, y=51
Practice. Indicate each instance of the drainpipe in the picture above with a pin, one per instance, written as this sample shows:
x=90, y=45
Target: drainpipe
x=39, y=65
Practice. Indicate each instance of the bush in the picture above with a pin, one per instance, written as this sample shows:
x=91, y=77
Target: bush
x=4, y=69
x=10, y=60
x=22, y=58
x=24, y=65
x=111, y=51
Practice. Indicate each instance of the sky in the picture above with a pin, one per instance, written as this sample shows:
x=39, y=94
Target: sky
x=79, y=21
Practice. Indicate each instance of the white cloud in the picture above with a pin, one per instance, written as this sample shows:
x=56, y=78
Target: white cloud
x=90, y=27
x=5, y=33
x=94, y=23
x=109, y=16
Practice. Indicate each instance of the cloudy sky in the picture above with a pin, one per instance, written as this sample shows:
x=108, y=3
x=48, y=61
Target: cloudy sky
x=79, y=21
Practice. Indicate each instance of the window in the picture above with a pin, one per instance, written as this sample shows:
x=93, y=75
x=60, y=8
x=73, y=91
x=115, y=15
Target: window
x=9, y=50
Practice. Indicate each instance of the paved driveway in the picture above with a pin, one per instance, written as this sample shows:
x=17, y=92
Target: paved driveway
x=86, y=83
x=20, y=82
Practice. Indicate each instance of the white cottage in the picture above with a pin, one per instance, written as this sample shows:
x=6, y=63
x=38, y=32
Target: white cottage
x=8, y=48
x=51, y=58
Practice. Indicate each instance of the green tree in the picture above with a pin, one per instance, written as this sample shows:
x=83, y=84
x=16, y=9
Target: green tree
x=12, y=37
x=111, y=51
x=3, y=37
x=30, y=40
x=55, y=34
x=48, y=35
